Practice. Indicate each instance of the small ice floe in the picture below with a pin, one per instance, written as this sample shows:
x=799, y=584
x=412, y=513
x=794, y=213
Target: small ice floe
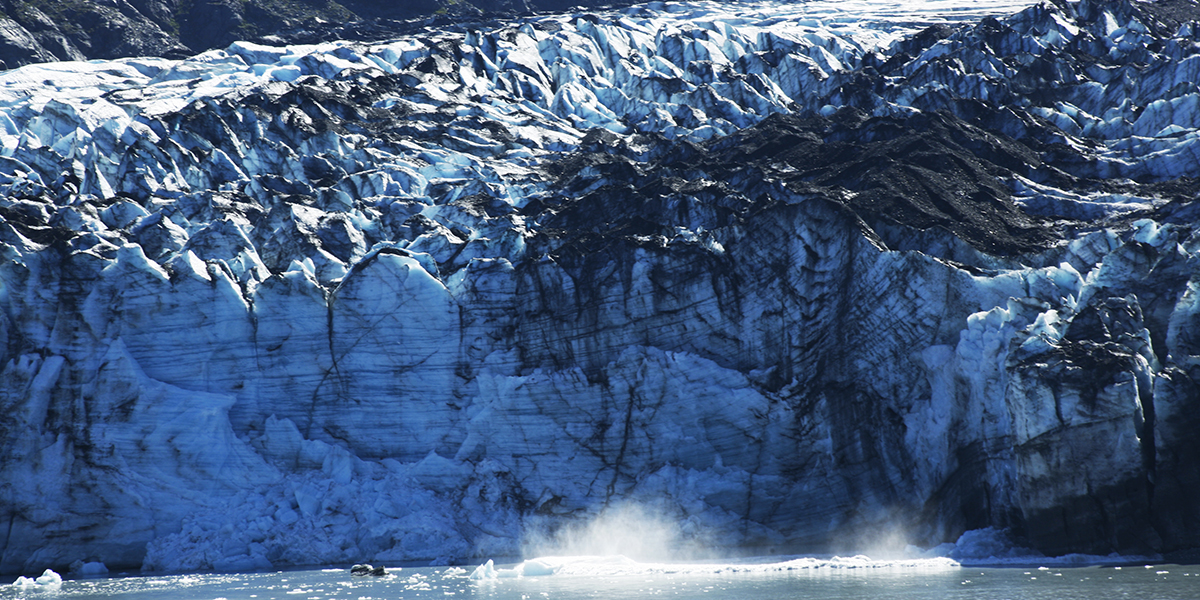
x=48, y=580
x=89, y=568
x=530, y=568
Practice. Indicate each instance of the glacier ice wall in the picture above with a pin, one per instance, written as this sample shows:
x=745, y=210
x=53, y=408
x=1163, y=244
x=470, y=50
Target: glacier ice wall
x=792, y=274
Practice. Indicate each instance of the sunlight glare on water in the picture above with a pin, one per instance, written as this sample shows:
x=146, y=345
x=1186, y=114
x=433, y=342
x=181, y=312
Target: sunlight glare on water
x=710, y=581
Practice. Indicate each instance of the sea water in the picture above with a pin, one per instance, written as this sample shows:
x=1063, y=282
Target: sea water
x=612, y=578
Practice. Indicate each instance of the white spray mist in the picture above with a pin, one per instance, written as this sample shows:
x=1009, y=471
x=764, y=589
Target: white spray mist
x=645, y=533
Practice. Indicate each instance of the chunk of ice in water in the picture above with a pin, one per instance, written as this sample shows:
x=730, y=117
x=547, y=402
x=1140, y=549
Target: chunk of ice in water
x=48, y=579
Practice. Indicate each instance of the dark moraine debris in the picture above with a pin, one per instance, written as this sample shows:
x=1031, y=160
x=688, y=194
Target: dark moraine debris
x=365, y=570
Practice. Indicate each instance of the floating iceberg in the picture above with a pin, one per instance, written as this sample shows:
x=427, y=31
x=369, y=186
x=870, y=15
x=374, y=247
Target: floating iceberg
x=47, y=580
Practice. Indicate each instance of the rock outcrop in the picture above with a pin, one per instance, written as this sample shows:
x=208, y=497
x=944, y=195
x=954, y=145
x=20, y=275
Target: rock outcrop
x=57, y=30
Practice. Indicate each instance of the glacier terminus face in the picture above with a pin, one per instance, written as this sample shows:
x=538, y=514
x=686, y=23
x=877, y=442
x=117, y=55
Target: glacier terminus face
x=793, y=275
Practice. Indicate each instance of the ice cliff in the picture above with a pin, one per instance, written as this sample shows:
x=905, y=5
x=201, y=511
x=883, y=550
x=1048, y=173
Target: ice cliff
x=792, y=274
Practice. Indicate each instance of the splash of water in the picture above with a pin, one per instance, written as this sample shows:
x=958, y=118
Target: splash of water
x=637, y=531
x=884, y=543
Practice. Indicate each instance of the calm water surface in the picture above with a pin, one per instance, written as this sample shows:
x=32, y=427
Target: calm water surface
x=1161, y=582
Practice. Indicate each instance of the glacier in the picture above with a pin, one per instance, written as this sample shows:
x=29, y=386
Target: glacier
x=794, y=275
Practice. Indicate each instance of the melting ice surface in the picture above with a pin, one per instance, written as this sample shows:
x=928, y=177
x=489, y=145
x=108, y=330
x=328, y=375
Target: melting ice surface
x=617, y=577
